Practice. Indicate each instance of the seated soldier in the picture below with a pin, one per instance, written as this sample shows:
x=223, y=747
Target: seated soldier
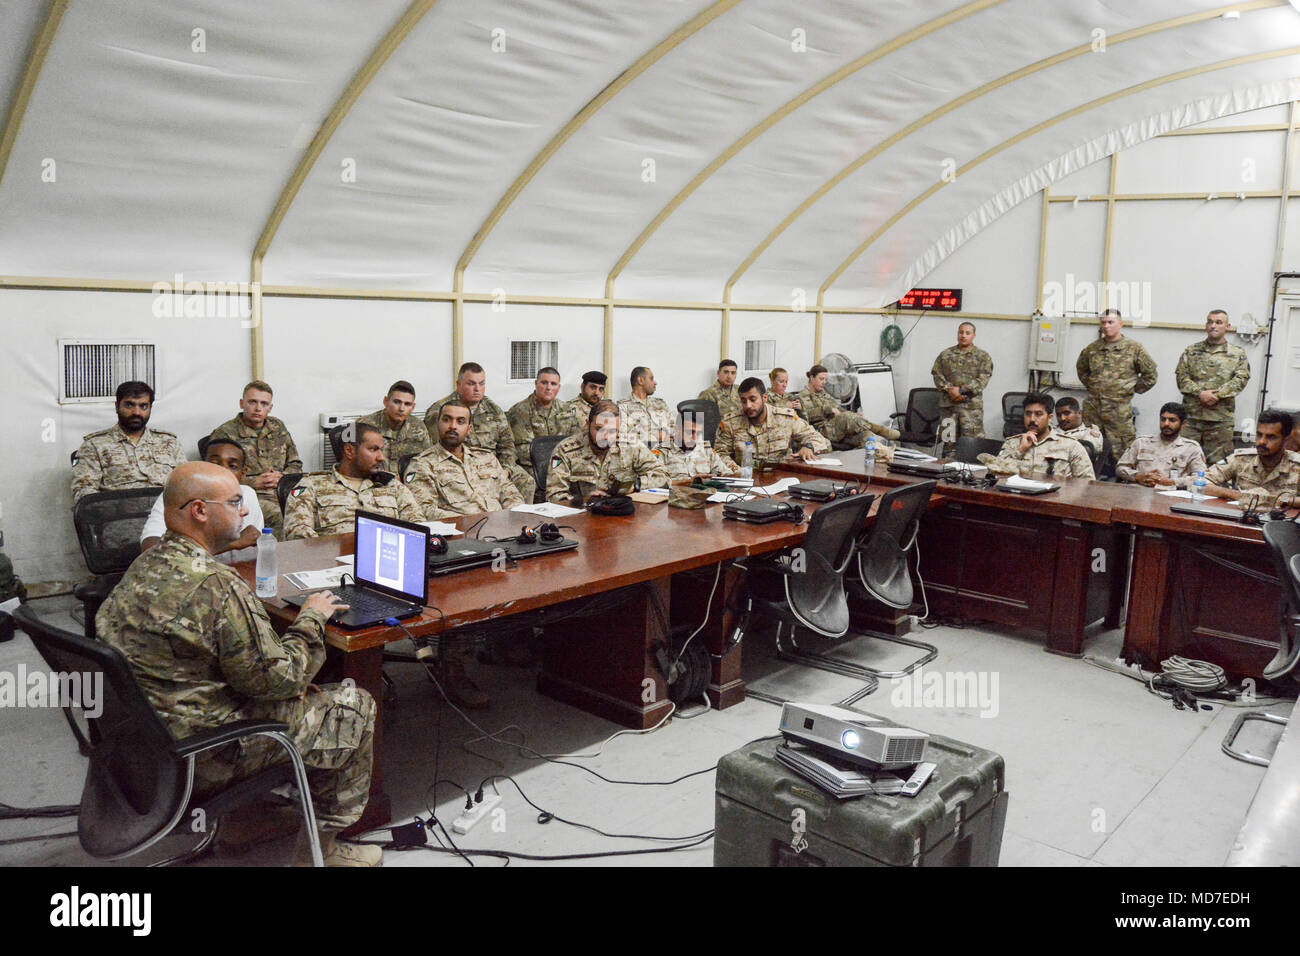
x=1265, y=472
x=1167, y=459
x=645, y=420
x=776, y=434
x=538, y=416
x=128, y=455
x=491, y=429
x=269, y=451
x=690, y=456
x=777, y=392
x=595, y=463
x=591, y=391
x=1069, y=422
x=453, y=478
x=723, y=392
x=835, y=423
x=229, y=454
x=326, y=502
x=403, y=434
x=1040, y=452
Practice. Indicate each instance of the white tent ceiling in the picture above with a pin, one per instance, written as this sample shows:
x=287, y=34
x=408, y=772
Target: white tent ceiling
x=528, y=164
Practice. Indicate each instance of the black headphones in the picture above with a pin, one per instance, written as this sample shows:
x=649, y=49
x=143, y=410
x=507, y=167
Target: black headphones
x=547, y=531
x=965, y=476
x=437, y=544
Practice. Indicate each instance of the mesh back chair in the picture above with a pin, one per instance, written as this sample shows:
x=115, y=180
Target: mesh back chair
x=139, y=783
x=403, y=463
x=706, y=408
x=108, y=527
x=1013, y=413
x=335, y=436
x=203, y=447
x=1094, y=455
x=919, y=423
x=882, y=563
x=285, y=485
x=539, y=450
x=969, y=449
x=1283, y=539
x=805, y=587
x=1105, y=459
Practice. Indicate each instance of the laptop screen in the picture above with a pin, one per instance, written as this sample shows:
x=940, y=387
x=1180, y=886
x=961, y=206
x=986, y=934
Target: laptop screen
x=392, y=556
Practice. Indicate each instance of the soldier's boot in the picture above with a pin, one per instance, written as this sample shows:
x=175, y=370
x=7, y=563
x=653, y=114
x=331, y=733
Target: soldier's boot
x=335, y=852
x=243, y=829
x=459, y=688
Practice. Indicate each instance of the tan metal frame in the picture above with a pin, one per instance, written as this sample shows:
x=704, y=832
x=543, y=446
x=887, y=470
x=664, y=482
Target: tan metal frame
x=31, y=72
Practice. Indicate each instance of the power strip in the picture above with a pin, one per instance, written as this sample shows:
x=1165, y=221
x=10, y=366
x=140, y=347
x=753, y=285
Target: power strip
x=465, y=822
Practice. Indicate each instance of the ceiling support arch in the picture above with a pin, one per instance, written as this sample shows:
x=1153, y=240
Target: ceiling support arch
x=31, y=72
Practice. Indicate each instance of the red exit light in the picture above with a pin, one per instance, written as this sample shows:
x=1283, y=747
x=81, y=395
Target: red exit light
x=939, y=300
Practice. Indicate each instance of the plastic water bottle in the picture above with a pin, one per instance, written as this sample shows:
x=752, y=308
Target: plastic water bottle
x=747, y=461
x=869, y=454
x=1198, y=486
x=267, y=575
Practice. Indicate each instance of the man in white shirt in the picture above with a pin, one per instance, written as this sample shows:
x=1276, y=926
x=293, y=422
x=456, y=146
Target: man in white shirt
x=229, y=454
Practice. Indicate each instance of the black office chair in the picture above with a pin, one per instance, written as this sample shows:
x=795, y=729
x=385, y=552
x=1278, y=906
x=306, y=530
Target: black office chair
x=540, y=450
x=1283, y=539
x=204, y=442
x=919, y=423
x=709, y=410
x=969, y=449
x=285, y=485
x=403, y=463
x=1094, y=455
x=1104, y=467
x=139, y=784
x=1013, y=413
x=108, y=527
x=804, y=587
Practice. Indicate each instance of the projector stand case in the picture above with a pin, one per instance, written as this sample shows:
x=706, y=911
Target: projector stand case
x=956, y=819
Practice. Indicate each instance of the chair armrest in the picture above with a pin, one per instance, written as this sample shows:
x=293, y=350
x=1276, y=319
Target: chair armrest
x=898, y=414
x=227, y=733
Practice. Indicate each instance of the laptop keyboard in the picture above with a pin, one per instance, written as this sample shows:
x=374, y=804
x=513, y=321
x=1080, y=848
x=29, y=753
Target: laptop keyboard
x=366, y=603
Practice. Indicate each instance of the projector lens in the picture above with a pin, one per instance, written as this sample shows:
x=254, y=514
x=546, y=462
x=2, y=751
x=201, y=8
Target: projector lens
x=850, y=739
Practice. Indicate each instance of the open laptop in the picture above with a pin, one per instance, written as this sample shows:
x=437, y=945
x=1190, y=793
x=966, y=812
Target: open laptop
x=391, y=572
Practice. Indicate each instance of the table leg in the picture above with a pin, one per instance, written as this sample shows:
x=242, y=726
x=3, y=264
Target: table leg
x=1070, y=590
x=726, y=688
x=365, y=668
x=1149, y=589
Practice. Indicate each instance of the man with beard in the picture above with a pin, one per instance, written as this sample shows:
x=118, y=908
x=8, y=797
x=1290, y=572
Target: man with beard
x=453, y=478
x=326, y=502
x=690, y=456
x=591, y=392
x=598, y=464
x=773, y=432
x=1267, y=470
x=1168, y=459
x=1040, y=451
x=128, y=455
x=1069, y=422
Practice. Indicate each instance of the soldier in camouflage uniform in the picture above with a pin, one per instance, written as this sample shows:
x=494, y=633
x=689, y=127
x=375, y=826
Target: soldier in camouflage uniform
x=326, y=502
x=452, y=478
x=128, y=455
x=1267, y=470
x=1210, y=374
x=591, y=392
x=690, y=456
x=835, y=423
x=404, y=435
x=772, y=431
x=723, y=392
x=540, y=415
x=1112, y=369
x=645, y=420
x=205, y=654
x=778, y=393
x=491, y=430
x=599, y=464
x=1069, y=422
x=961, y=373
x=1165, y=459
x=1040, y=452
x=269, y=451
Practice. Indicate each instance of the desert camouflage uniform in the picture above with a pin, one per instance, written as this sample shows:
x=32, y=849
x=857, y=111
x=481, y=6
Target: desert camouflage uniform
x=727, y=399
x=529, y=420
x=109, y=461
x=1089, y=433
x=969, y=369
x=771, y=440
x=575, y=460
x=1054, y=457
x=1224, y=370
x=845, y=426
x=491, y=432
x=269, y=448
x=446, y=486
x=205, y=654
x=650, y=423
x=1112, y=372
x=325, y=502
x=1243, y=471
x=411, y=439
x=783, y=401
x=1179, y=459
x=700, y=460
x=580, y=411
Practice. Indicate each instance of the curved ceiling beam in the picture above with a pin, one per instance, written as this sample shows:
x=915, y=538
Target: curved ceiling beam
x=1038, y=128
x=377, y=59
x=902, y=40
x=646, y=61
x=35, y=60
x=965, y=98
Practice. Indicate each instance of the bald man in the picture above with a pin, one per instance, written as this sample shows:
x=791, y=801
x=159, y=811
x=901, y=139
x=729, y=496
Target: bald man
x=205, y=654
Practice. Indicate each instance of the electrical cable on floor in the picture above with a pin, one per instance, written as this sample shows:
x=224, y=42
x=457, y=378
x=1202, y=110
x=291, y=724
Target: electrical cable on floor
x=38, y=837
x=1133, y=672
x=708, y=606
x=8, y=812
x=509, y=855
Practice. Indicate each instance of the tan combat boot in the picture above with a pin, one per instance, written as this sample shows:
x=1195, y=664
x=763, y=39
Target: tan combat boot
x=460, y=689
x=335, y=852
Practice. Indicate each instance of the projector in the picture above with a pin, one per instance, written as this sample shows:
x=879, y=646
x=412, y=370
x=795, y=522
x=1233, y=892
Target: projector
x=870, y=741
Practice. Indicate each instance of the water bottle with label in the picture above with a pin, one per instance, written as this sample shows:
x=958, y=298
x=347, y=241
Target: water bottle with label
x=267, y=574
x=747, y=461
x=869, y=454
x=1198, y=486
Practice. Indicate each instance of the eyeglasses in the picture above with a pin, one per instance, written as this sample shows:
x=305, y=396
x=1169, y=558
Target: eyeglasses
x=233, y=502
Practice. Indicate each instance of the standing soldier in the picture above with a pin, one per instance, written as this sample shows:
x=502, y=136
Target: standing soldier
x=128, y=455
x=833, y=422
x=1112, y=369
x=269, y=451
x=405, y=435
x=723, y=392
x=538, y=416
x=1210, y=374
x=961, y=373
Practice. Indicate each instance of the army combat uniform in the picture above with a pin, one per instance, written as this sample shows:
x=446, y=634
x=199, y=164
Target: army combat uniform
x=727, y=399
x=1243, y=471
x=575, y=460
x=530, y=419
x=970, y=370
x=491, y=432
x=269, y=448
x=446, y=486
x=1054, y=456
x=581, y=411
x=700, y=460
x=1112, y=372
x=411, y=439
x=783, y=401
x=837, y=425
x=325, y=502
x=205, y=654
x=1179, y=459
x=109, y=461
x=650, y=422
x=1089, y=433
x=772, y=440
x=1224, y=370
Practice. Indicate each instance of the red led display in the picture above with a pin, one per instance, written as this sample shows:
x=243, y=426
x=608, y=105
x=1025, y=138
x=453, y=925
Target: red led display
x=938, y=300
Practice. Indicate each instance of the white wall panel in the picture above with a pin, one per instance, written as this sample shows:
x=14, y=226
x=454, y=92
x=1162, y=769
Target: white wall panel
x=1075, y=235
x=679, y=346
x=998, y=273
x=1225, y=163
x=792, y=331
x=1089, y=181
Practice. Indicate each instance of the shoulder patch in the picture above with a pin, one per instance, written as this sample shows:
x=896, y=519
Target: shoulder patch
x=298, y=490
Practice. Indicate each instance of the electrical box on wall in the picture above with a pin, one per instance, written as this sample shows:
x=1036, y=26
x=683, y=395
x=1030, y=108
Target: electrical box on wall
x=1049, y=337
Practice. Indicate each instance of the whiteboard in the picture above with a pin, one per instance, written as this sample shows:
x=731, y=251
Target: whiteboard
x=876, y=399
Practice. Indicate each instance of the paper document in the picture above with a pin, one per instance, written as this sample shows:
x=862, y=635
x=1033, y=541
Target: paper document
x=348, y=559
x=310, y=580
x=1187, y=494
x=826, y=461
x=444, y=528
x=730, y=496
x=908, y=454
x=963, y=467
x=777, y=487
x=547, y=509
x=1015, y=481
x=650, y=496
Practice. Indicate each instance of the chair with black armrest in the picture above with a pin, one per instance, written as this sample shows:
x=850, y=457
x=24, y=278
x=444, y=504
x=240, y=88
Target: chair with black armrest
x=707, y=408
x=540, y=450
x=804, y=587
x=108, y=527
x=882, y=564
x=1094, y=455
x=140, y=779
x=1013, y=413
x=969, y=449
x=918, y=424
x=284, y=486
x=403, y=463
x=1104, y=466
